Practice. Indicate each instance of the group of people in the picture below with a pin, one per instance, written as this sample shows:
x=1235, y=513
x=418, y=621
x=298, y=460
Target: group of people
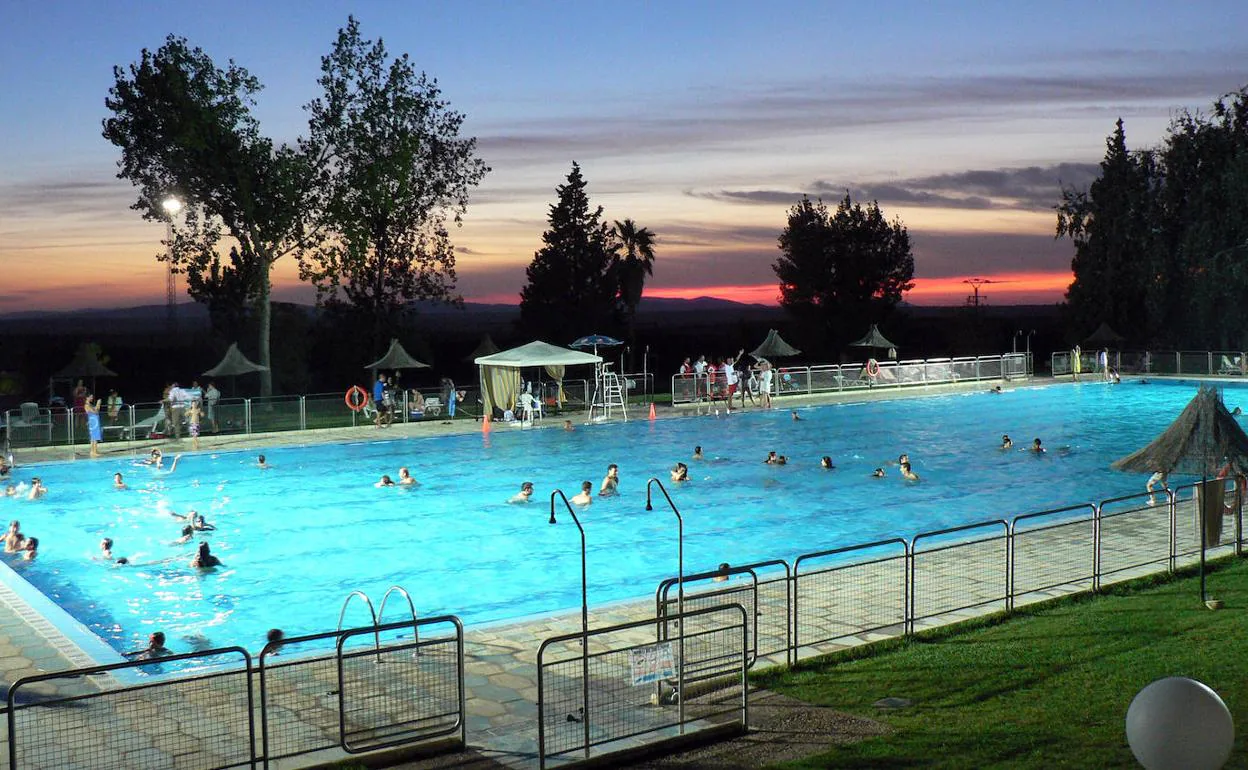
x=385, y=399
x=725, y=379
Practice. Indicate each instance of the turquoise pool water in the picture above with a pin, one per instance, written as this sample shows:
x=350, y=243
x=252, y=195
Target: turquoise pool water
x=296, y=538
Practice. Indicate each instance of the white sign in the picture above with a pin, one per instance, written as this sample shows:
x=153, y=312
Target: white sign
x=652, y=663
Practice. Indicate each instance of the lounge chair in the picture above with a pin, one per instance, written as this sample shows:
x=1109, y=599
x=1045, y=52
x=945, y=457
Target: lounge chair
x=529, y=407
x=1231, y=365
x=31, y=418
x=145, y=428
x=433, y=406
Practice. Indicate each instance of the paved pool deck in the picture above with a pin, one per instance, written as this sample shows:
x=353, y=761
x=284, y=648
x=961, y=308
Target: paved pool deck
x=501, y=659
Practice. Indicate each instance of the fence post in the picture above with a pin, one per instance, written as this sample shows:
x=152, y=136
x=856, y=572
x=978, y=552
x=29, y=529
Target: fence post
x=1009, y=567
x=70, y=418
x=1174, y=531
x=1096, y=549
x=1209, y=362
x=809, y=384
x=1178, y=362
x=907, y=626
x=247, y=416
x=303, y=413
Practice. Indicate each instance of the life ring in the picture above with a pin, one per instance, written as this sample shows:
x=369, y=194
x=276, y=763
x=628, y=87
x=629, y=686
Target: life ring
x=360, y=398
x=873, y=368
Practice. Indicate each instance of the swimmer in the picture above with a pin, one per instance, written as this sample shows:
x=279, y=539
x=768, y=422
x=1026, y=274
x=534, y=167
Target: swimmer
x=782, y=460
x=697, y=453
x=525, y=493
x=10, y=490
x=384, y=481
x=796, y=417
x=1037, y=447
x=260, y=463
x=155, y=648
x=118, y=482
x=1006, y=441
x=568, y=426
x=106, y=549
x=188, y=534
x=1237, y=411
x=204, y=558
x=14, y=539
x=680, y=472
x=722, y=577
x=772, y=459
x=199, y=523
x=995, y=389
x=825, y=462
x=154, y=458
x=273, y=641
x=903, y=459
x=878, y=473
x=586, y=495
x=37, y=489
x=907, y=473
x=31, y=550
x=610, y=482
x=405, y=477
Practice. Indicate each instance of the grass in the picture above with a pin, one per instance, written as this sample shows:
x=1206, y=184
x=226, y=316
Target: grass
x=1047, y=687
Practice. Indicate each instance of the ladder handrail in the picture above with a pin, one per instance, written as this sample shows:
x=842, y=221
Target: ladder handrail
x=371, y=612
x=411, y=606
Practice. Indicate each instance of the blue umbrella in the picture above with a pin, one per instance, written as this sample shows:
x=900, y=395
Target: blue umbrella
x=594, y=341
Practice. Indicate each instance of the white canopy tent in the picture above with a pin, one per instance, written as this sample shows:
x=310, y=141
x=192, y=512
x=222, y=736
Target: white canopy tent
x=500, y=372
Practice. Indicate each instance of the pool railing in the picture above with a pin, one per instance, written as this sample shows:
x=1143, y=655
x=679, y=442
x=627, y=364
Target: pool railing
x=1185, y=363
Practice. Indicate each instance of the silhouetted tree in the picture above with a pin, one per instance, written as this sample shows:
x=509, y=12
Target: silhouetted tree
x=573, y=284
x=840, y=271
x=633, y=267
x=396, y=170
x=185, y=127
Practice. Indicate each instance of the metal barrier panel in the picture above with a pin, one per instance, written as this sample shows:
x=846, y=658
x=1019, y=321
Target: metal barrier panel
x=685, y=388
x=631, y=681
x=1051, y=550
x=1059, y=363
x=1229, y=363
x=86, y=718
x=792, y=381
x=910, y=373
x=365, y=688
x=756, y=587
x=1000, y=368
x=849, y=592
x=826, y=378
x=402, y=691
x=1134, y=536
x=275, y=413
x=957, y=370
x=330, y=411
x=1192, y=362
x=958, y=569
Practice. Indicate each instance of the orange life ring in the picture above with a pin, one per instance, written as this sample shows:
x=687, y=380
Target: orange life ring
x=873, y=368
x=356, y=404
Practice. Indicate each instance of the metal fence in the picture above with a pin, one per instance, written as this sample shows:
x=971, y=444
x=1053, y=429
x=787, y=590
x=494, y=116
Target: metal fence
x=607, y=685
x=1212, y=363
x=826, y=378
x=356, y=690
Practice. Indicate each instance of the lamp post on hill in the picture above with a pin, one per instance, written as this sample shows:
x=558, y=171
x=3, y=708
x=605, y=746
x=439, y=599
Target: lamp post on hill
x=172, y=206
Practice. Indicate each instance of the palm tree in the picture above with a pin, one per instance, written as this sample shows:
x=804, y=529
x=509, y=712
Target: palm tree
x=637, y=263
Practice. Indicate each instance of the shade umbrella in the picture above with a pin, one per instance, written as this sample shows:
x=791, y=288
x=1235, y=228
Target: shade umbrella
x=485, y=347
x=232, y=364
x=1204, y=438
x=774, y=347
x=397, y=358
x=85, y=363
x=873, y=339
x=1104, y=336
x=594, y=341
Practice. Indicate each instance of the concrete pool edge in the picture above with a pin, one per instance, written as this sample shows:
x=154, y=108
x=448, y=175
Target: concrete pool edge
x=64, y=633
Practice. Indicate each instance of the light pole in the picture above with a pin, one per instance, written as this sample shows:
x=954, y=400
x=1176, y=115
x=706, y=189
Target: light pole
x=172, y=206
x=584, y=613
x=680, y=597
x=1017, y=334
x=1029, y=367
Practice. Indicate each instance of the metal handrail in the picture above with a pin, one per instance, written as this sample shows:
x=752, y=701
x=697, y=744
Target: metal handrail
x=411, y=606
x=680, y=590
x=372, y=613
x=584, y=612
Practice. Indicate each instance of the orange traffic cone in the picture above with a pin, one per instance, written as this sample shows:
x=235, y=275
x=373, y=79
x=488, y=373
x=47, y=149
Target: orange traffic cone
x=485, y=424
x=651, y=410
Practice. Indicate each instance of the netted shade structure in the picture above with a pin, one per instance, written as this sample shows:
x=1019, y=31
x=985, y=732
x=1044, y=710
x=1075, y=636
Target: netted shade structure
x=234, y=363
x=774, y=347
x=85, y=364
x=397, y=358
x=873, y=339
x=1204, y=439
x=1104, y=336
x=484, y=348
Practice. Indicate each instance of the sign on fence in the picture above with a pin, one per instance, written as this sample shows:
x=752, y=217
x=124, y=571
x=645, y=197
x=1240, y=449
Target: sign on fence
x=651, y=663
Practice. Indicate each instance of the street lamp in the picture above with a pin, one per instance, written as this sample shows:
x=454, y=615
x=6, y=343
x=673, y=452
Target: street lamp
x=680, y=597
x=584, y=612
x=172, y=206
x=1017, y=334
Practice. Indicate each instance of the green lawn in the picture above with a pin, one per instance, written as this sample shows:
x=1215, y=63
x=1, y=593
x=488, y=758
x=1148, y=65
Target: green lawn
x=1047, y=687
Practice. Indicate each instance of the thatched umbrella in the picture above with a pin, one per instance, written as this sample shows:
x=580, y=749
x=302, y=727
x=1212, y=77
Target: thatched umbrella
x=1203, y=439
x=774, y=347
x=1103, y=337
x=232, y=364
x=396, y=358
x=485, y=347
x=874, y=339
x=85, y=363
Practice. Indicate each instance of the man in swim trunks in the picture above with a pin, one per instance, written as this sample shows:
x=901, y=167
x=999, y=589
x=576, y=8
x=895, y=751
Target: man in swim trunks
x=524, y=495
x=680, y=472
x=155, y=648
x=405, y=477
x=204, y=558
x=1007, y=442
x=586, y=495
x=610, y=482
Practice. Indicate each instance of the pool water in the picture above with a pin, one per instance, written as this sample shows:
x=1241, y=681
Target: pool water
x=297, y=537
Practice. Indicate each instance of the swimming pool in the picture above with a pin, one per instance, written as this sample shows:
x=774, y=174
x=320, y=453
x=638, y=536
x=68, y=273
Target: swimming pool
x=297, y=537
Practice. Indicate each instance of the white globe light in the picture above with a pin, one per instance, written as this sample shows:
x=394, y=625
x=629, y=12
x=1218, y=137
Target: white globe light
x=171, y=205
x=1178, y=722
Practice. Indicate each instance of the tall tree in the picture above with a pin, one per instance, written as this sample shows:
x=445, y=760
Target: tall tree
x=572, y=284
x=632, y=268
x=185, y=128
x=839, y=271
x=394, y=171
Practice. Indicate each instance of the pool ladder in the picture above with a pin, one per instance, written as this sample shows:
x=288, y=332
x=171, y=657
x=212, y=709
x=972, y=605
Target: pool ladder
x=376, y=615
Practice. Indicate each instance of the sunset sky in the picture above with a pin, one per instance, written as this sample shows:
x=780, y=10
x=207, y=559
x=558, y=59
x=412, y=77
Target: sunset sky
x=704, y=121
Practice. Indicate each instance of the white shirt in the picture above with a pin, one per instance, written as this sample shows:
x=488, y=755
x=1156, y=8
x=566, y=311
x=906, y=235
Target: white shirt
x=699, y=367
x=730, y=374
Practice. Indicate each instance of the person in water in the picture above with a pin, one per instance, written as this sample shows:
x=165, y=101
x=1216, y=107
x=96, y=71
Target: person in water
x=782, y=460
x=996, y=389
x=825, y=462
x=405, y=477
x=118, y=481
x=568, y=426
x=680, y=472
x=37, y=489
x=154, y=458
x=204, y=558
x=796, y=417
x=1006, y=441
x=610, y=482
x=261, y=463
x=1037, y=447
x=155, y=648
x=586, y=495
x=908, y=473
x=188, y=534
x=273, y=641
x=524, y=495
x=878, y=473
x=14, y=540
x=772, y=459
x=384, y=481
x=31, y=549
x=722, y=577
x=697, y=453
